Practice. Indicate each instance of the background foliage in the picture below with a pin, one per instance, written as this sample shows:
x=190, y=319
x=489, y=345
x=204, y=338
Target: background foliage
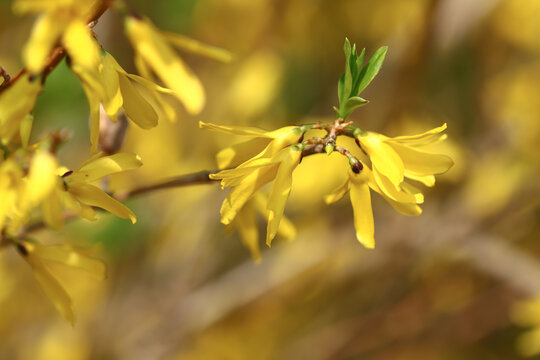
x=439, y=286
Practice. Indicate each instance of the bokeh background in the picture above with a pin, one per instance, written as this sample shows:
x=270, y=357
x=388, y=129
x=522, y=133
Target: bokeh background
x=445, y=285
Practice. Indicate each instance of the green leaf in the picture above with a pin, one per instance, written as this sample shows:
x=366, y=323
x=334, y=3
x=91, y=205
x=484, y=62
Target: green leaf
x=372, y=68
x=348, y=80
x=351, y=104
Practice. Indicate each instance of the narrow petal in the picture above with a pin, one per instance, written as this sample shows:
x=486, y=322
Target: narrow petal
x=136, y=106
x=160, y=56
x=93, y=196
x=113, y=101
x=197, y=47
x=286, y=229
x=246, y=224
x=237, y=154
x=81, y=46
x=106, y=165
x=421, y=137
x=52, y=210
x=48, y=282
x=236, y=130
x=363, y=214
x=384, y=158
x=240, y=194
x=422, y=163
x=280, y=192
x=67, y=256
x=93, y=104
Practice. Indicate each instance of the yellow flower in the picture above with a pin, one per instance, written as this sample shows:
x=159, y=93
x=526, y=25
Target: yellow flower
x=38, y=255
x=249, y=177
x=120, y=93
x=21, y=192
x=527, y=313
x=59, y=20
x=246, y=224
x=76, y=192
x=394, y=159
x=154, y=54
x=16, y=103
x=272, y=141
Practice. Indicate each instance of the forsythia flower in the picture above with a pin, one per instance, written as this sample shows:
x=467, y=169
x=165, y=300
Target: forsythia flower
x=251, y=176
x=16, y=103
x=76, y=192
x=153, y=53
x=38, y=255
x=274, y=141
x=392, y=160
x=20, y=192
x=119, y=92
x=65, y=20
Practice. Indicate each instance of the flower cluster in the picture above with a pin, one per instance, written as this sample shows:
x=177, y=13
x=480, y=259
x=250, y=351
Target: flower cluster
x=35, y=191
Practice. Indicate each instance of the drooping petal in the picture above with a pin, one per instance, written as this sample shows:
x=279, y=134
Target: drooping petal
x=286, y=229
x=48, y=282
x=280, y=192
x=422, y=163
x=240, y=194
x=246, y=224
x=93, y=104
x=113, y=101
x=160, y=56
x=25, y=129
x=93, y=196
x=106, y=165
x=52, y=208
x=136, y=106
x=384, y=158
x=65, y=255
x=363, y=214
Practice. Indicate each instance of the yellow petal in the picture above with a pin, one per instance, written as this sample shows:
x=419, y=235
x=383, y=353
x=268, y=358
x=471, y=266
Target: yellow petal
x=160, y=56
x=136, y=106
x=42, y=178
x=93, y=104
x=52, y=208
x=25, y=129
x=246, y=224
x=421, y=137
x=93, y=196
x=422, y=163
x=280, y=192
x=240, y=194
x=113, y=101
x=363, y=215
x=236, y=130
x=389, y=190
x=197, y=47
x=286, y=229
x=239, y=153
x=67, y=256
x=16, y=102
x=45, y=34
x=48, y=282
x=81, y=46
x=428, y=180
x=383, y=157
x=106, y=165
x=337, y=194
